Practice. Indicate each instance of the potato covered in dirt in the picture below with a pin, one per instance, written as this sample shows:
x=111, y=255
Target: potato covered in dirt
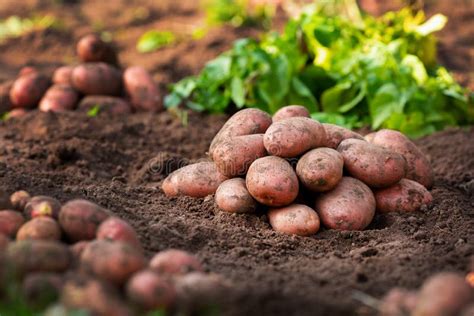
x=234, y=156
x=336, y=134
x=404, y=196
x=10, y=222
x=232, y=196
x=320, y=169
x=374, y=165
x=97, y=79
x=418, y=166
x=272, y=181
x=296, y=219
x=105, y=104
x=196, y=180
x=91, y=48
x=398, y=302
x=63, y=75
x=28, y=90
x=80, y=219
x=142, y=90
x=290, y=111
x=43, y=228
x=42, y=206
x=349, y=206
x=42, y=288
x=175, y=261
x=19, y=199
x=293, y=136
x=59, y=98
x=114, y=228
x=150, y=290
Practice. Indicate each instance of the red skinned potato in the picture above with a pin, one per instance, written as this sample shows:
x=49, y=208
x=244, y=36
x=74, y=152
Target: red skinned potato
x=196, y=180
x=320, y=169
x=296, y=219
x=117, y=229
x=28, y=90
x=42, y=206
x=293, y=136
x=272, y=181
x=444, y=294
x=91, y=48
x=141, y=88
x=63, y=75
x=398, y=302
x=234, y=156
x=19, y=199
x=105, y=104
x=27, y=70
x=77, y=249
x=79, y=219
x=232, y=196
x=150, y=290
x=349, y=206
x=10, y=222
x=40, y=228
x=336, y=134
x=404, y=196
x=244, y=122
x=174, y=262
x=290, y=111
x=42, y=288
x=97, y=79
x=59, y=98
x=418, y=166
x=112, y=260
x=374, y=165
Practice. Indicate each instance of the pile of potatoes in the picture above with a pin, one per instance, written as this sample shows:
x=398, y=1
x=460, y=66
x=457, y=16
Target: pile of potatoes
x=305, y=173
x=97, y=81
x=77, y=256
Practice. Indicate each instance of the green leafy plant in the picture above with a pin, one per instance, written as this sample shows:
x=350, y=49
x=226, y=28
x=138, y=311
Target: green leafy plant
x=15, y=26
x=154, y=40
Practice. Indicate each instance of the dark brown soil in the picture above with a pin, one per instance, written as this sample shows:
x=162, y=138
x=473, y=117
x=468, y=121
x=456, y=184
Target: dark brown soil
x=120, y=163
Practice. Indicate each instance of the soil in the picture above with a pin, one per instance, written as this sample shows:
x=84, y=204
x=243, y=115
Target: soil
x=120, y=163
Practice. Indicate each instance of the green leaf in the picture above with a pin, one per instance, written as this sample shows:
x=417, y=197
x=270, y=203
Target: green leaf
x=356, y=100
x=435, y=23
x=238, y=92
x=303, y=95
x=332, y=98
x=154, y=40
x=387, y=101
x=418, y=70
x=218, y=70
x=94, y=111
x=172, y=100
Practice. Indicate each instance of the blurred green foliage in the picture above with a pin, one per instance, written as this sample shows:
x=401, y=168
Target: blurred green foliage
x=154, y=40
x=15, y=26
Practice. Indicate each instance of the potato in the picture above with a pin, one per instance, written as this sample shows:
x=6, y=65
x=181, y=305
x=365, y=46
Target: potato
x=195, y=180
x=10, y=222
x=290, y=111
x=141, y=88
x=105, y=104
x=112, y=260
x=114, y=228
x=44, y=228
x=28, y=90
x=349, y=206
x=97, y=79
x=78, y=248
x=42, y=288
x=5, y=103
x=91, y=48
x=39, y=256
x=234, y=156
x=320, y=169
x=244, y=122
x=272, y=181
x=296, y=219
x=336, y=134
x=398, y=302
x=404, y=196
x=27, y=70
x=63, y=75
x=42, y=206
x=444, y=294
x=59, y=98
x=150, y=291
x=374, y=165
x=232, y=196
x=293, y=136
x=19, y=199
x=16, y=113
x=175, y=261
x=79, y=219
x=418, y=166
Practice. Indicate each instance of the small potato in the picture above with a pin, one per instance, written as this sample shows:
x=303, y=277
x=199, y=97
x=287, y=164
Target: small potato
x=244, y=122
x=272, y=181
x=42, y=288
x=42, y=206
x=141, y=88
x=374, y=165
x=63, y=75
x=59, y=98
x=78, y=248
x=405, y=196
x=19, y=199
x=27, y=70
x=10, y=222
x=106, y=104
x=97, y=79
x=150, y=290
x=196, y=180
x=112, y=260
x=398, y=302
x=350, y=206
x=418, y=166
x=293, y=136
x=40, y=228
x=296, y=219
x=174, y=262
x=320, y=169
x=79, y=219
x=28, y=90
x=234, y=156
x=114, y=228
x=290, y=111
x=444, y=294
x=91, y=48
x=232, y=196
x=5, y=103
x=336, y=134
